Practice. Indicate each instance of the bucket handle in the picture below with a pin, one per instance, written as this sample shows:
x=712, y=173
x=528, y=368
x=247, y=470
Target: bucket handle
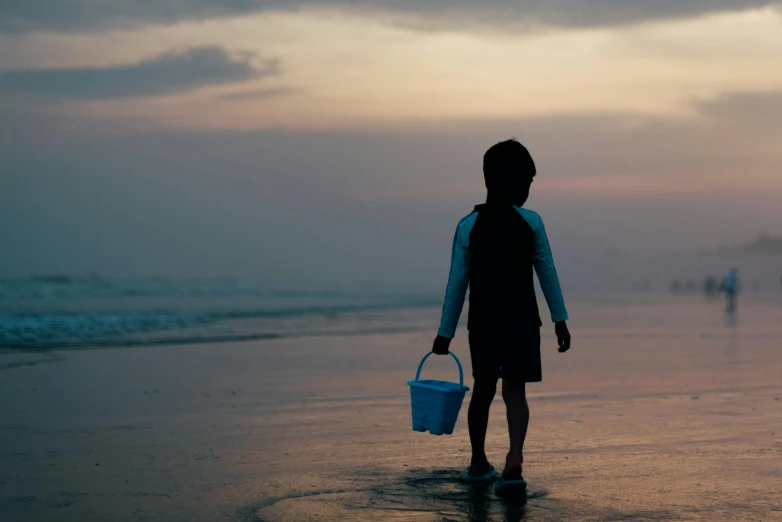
x=461, y=373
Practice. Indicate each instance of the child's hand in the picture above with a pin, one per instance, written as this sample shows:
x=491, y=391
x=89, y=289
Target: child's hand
x=563, y=336
x=441, y=345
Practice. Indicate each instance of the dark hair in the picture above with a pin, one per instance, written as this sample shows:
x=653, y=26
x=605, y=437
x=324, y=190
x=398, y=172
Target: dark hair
x=506, y=164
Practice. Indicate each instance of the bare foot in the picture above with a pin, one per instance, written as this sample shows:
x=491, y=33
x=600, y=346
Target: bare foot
x=479, y=468
x=512, y=469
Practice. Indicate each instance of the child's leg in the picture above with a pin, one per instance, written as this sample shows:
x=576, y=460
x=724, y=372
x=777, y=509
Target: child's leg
x=478, y=421
x=515, y=397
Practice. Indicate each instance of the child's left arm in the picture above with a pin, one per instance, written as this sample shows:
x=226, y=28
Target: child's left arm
x=458, y=281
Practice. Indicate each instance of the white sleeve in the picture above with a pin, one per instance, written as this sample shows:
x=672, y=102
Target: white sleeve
x=547, y=274
x=458, y=280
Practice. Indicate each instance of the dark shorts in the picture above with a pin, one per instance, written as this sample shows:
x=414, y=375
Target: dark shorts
x=513, y=356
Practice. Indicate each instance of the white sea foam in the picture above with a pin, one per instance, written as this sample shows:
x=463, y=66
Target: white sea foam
x=64, y=311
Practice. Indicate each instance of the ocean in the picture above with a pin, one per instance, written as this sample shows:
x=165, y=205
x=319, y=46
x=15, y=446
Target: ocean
x=666, y=408
x=62, y=311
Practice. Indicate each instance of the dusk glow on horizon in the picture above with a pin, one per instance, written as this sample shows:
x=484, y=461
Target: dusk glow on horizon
x=320, y=113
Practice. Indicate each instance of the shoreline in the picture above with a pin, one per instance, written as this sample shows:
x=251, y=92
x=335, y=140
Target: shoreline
x=648, y=428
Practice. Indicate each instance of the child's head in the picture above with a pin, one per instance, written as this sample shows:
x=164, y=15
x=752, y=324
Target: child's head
x=508, y=170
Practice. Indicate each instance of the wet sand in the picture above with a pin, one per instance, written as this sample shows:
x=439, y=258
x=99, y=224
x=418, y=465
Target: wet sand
x=658, y=413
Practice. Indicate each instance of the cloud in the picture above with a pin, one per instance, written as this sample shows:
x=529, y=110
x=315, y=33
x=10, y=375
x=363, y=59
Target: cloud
x=256, y=94
x=81, y=15
x=756, y=113
x=349, y=205
x=164, y=74
x=564, y=13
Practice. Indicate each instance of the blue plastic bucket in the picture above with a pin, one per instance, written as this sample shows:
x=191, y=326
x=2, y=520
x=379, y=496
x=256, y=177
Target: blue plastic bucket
x=436, y=404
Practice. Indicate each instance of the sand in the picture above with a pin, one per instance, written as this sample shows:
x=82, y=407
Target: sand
x=659, y=412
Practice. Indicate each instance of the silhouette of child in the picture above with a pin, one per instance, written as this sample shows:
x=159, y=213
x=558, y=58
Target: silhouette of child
x=495, y=249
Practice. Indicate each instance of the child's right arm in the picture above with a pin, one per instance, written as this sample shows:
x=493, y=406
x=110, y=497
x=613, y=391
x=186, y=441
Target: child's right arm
x=547, y=274
x=549, y=283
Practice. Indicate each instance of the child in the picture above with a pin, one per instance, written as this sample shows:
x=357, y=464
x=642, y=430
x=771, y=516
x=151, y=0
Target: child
x=494, y=251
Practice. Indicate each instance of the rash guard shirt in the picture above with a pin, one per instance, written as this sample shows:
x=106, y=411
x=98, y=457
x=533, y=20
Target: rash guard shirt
x=495, y=248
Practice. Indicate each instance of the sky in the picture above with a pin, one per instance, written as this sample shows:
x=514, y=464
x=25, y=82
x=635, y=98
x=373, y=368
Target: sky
x=331, y=143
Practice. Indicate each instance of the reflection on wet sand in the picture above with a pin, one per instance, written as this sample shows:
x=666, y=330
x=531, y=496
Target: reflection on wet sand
x=731, y=318
x=437, y=494
x=659, y=412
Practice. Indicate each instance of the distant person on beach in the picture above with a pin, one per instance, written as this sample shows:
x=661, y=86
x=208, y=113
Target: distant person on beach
x=495, y=249
x=710, y=286
x=730, y=285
